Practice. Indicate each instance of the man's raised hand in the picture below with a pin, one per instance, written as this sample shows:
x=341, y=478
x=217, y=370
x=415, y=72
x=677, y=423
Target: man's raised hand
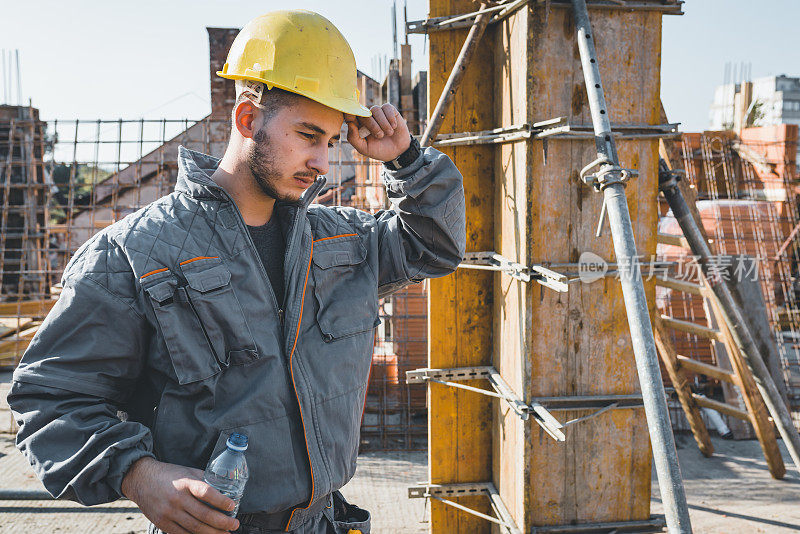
x=388, y=133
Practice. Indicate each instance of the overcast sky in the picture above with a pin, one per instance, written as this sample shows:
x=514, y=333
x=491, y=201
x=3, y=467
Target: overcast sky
x=110, y=59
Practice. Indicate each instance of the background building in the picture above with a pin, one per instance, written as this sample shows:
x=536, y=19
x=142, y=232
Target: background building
x=764, y=101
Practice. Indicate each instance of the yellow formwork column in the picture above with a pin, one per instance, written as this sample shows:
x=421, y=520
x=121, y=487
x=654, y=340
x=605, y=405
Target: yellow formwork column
x=460, y=306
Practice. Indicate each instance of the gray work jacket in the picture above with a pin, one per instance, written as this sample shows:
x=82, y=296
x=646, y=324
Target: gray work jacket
x=168, y=316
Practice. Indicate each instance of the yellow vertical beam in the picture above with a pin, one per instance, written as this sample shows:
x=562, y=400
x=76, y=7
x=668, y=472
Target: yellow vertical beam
x=460, y=306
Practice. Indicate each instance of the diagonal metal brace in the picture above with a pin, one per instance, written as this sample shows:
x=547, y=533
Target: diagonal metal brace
x=446, y=492
x=502, y=390
x=493, y=261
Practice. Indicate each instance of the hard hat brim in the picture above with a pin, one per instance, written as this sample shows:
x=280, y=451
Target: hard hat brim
x=345, y=105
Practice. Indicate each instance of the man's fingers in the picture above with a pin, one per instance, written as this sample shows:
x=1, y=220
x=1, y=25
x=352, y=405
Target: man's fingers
x=210, y=495
x=372, y=125
x=356, y=134
x=391, y=114
x=193, y=525
x=211, y=517
x=173, y=528
x=380, y=117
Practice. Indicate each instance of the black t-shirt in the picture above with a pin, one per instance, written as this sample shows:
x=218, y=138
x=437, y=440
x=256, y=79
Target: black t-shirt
x=271, y=247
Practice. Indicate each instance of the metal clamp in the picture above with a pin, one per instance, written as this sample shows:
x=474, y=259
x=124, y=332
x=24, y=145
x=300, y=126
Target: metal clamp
x=453, y=22
x=493, y=261
x=607, y=173
x=484, y=137
x=501, y=391
x=668, y=178
x=445, y=492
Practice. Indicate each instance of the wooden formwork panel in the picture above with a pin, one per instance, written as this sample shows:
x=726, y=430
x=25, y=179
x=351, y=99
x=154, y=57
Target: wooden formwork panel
x=575, y=343
x=543, y=343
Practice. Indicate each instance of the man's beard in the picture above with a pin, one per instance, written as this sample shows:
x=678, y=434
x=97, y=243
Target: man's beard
x=263, y=166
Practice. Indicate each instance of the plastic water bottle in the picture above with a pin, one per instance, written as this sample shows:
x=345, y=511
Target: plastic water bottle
x=228, y=471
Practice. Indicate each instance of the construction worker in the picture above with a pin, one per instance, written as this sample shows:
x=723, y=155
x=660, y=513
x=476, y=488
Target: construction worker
x=233, y=305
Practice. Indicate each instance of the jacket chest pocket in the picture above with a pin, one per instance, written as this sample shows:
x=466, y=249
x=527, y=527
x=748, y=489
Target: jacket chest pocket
x=202, y=321
x=345, y=288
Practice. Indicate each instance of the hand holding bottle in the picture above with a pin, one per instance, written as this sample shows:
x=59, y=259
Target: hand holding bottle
x=176, y=499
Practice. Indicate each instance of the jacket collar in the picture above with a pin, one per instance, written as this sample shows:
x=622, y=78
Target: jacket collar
x=194, y=175
x=194, y=179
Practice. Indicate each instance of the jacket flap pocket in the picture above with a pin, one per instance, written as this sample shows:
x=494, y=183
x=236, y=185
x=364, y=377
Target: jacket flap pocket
x=337, y=252
x=161, y=291
x=209, y=278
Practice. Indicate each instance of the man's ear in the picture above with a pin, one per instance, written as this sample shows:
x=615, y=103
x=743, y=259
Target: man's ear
x=244, y=118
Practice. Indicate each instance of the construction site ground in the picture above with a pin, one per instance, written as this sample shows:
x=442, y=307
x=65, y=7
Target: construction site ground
x=729, y=493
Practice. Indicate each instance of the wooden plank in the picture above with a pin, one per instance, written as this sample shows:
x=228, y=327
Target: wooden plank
x=10, y=326
x=681, y=285
x=512, y=461
x=692, y=328
x=672, y=239
x=460, y=305
x=672, y=363
x=704, y=369
x=578, y=343
x=26, y=308
x=12, y=347
x=721, y=407
x=758, y=414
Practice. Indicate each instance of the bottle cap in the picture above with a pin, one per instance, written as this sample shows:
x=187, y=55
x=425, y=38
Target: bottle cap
x=237, y=442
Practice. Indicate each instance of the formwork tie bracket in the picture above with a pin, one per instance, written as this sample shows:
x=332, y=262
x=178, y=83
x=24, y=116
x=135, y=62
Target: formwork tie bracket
x=493, y=261
x=446, y=492
x=557, y=128
x=502, y=390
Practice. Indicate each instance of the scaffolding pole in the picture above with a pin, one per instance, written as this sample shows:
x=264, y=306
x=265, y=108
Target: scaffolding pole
x=610, y=180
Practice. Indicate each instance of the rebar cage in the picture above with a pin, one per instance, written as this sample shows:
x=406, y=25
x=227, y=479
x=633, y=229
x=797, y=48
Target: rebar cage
x=747, y=200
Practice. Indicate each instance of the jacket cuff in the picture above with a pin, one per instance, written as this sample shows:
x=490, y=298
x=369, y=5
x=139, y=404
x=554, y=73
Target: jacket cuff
x=123, y=460
x=402, y=181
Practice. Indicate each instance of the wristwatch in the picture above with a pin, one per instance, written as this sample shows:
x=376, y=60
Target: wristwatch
x=406, y=158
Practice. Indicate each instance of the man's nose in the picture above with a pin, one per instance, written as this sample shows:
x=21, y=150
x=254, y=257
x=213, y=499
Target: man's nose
x=319, y=162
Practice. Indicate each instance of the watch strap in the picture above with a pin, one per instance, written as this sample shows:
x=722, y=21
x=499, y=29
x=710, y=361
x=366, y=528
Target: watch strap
x=406, y=158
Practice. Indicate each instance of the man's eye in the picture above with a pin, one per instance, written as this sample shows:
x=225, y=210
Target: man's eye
x=307, y=135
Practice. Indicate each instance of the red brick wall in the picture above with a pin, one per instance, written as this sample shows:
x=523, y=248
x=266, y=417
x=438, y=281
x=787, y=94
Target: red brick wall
x=223, y=93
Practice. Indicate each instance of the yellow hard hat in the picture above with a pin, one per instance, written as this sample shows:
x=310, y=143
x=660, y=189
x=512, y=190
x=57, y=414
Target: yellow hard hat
x=298, y=51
